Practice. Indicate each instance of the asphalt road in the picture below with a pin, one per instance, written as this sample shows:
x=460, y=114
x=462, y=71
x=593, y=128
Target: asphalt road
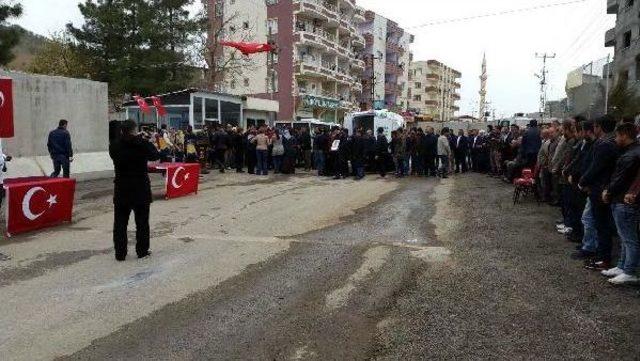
x=306, y=268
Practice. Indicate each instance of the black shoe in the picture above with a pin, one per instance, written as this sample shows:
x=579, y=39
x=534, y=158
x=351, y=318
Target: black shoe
x=582, y=255
x=121, y=258
x=573, y=238
x=596, y=265
x=145, y=255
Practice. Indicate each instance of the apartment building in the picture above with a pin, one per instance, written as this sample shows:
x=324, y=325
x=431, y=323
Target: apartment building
x=387, y=57
x=625, y=38
x=434, y=90
x=315, y=72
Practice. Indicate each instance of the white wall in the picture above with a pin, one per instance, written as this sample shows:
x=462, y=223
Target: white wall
x=39, y=103
x=380, y=47
x=255, y=67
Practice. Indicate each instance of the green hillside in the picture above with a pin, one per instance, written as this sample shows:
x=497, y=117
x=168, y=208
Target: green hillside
x=24, y=52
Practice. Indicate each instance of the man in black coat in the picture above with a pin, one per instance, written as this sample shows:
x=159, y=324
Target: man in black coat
x=602, y=165
x=60, y=150
x=460, y=151
x=238, y=143
x=429, y=147
x=382, y=153
x=358, y=149
x=132, y=190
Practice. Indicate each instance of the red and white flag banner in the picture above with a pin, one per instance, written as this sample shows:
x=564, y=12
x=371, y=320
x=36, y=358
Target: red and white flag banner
x=38, y=202
x=6, y=108
x=181, y=179
x=142, y=103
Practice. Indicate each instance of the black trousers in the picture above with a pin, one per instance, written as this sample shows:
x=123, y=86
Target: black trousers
x=219, y=158
x=461, y=162
x=239, y=159
x=120, y=222
x=605, y=225
x=251, y=160
x=61, y=162
x=430, y=167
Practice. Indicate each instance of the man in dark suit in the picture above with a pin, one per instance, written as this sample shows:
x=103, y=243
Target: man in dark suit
x=602, y=164
x=132, y=190
x=60, y=149
x=460, y=151
x=429, y=147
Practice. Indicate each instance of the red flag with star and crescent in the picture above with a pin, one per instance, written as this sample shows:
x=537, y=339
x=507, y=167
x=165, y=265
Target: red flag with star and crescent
x=38, y=202
x=182, y=179
x=157, y=102
x=142, y=103
x=6, y=108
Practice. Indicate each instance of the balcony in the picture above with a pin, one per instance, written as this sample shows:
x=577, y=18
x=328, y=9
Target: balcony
x=610, y=38
x=316, y=9
x=431, y=102
x=359, y=15
x=358, y=42
x=455, y=96
x=369, y=15
x=313, y=68
x=456, y=85
x=358, y=65
x=613, y=6
x=432, y=76
x=431, y=89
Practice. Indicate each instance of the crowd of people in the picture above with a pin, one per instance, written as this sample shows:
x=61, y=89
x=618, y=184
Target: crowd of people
x=590, y=169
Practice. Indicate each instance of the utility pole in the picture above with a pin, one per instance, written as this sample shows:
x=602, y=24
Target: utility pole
x=606, y=85
x=543, y=81
x=373, y=80
x=483, y=90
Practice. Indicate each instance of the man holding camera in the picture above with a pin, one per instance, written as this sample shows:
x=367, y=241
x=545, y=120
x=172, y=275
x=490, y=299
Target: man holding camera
x=130, y=155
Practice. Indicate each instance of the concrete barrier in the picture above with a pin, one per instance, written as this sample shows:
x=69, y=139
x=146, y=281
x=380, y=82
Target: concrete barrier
x=40, y=101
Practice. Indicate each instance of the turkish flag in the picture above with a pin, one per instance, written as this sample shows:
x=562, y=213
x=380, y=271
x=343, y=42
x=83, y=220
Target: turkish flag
x=249, y=48
x=6, y=108
x=38, y=202
x=142, y=103
x=157, y=102
x=181, y=179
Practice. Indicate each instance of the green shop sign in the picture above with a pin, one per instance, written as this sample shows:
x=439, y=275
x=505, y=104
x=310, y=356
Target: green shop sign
x=310, y=101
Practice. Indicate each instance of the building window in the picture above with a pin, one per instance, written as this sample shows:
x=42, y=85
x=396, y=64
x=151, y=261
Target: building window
x=198, y=120
x=417, y=98
x=232, y=29
x=418, y=85
x=272, y=26
x=626, y=39
x=211, y=109
x=271, y=2
x=232, y=85
x=245, y=25
x=246, y=82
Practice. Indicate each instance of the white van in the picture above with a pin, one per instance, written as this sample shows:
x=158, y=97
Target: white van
x=374, y=119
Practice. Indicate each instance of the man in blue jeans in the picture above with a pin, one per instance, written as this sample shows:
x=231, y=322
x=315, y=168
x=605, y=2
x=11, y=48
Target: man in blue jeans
x=594, y=181
x=626, y=215
x=59, y=145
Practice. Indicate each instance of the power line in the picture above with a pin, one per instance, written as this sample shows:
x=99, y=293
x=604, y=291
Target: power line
x=499, y=13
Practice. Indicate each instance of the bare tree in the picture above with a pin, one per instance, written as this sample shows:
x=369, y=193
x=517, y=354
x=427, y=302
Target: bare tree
x=224, y=65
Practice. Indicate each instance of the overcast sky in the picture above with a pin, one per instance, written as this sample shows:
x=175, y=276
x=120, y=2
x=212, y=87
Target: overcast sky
x=575, y=32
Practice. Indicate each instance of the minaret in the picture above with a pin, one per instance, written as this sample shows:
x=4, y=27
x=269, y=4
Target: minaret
x=483, y=89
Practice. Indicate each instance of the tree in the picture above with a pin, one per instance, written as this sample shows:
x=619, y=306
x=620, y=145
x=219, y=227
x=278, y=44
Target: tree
x=61, y=56
x=623, y=101
x=9, y=36
x=137, y=46
x=224, y=65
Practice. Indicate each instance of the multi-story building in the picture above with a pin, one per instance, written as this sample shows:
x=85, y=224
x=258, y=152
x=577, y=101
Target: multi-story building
x=315, y=72
x=387, y=57
x=625, y=38
x=434, y=90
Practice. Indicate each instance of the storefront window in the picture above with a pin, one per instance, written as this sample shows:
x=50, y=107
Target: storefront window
x=178, y=117
x=211, y=109
x=198, y=119
x=230, y=113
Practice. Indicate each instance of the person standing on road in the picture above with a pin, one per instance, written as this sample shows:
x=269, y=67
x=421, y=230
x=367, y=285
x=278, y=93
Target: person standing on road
x=430, y=151
x=305, y=146
x=461, y=150
x=626, y=216
x=593, y=182
x=132, y=188
x=60, y=150
x=382, y=153
x=444, y=152
x=320, y=141
x=262, y=141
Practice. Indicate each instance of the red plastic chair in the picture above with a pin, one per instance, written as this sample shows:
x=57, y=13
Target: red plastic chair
x=524, y=186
